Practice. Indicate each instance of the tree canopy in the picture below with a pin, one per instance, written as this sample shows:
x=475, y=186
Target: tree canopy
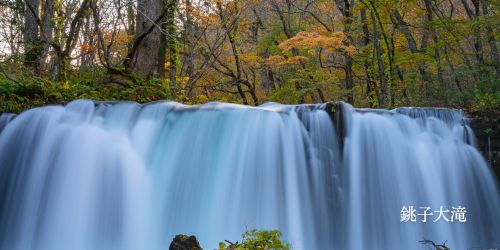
x=371, y=53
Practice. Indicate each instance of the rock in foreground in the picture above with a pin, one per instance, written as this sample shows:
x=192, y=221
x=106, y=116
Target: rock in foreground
x=185, y=242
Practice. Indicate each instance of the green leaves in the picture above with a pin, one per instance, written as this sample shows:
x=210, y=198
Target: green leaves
x=258, y=239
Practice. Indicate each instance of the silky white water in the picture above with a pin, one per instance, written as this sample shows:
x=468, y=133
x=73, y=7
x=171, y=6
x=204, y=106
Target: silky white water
x=129, y=176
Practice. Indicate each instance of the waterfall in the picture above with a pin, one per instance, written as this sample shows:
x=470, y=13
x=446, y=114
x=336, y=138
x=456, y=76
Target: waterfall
x=4, y=119
x=104, y=175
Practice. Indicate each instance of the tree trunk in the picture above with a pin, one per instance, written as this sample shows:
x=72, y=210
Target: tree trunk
x=266, y=74
x=174, y=53
x=345, y=8
x=452, y=69
x=131, y=16
x=145, y=59
x=389, y=44
x=370, y=84
x=87, y=59
x=48, y=14
x=32, y=43
x=231, y=37
x=437, y=54
x=381, y=69
x=162, y=50
x=473, y=15
x=189, y=38
x=412, y=45
x=59, y=67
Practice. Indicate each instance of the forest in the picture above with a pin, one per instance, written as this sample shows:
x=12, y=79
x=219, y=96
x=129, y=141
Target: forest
x=370, y=53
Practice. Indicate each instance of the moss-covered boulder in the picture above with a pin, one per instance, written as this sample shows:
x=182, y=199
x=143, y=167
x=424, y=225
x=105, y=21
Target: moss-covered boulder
x=185, y=242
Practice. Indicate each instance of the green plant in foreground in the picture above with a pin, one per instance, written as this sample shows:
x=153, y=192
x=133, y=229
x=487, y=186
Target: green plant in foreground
x=257, y=239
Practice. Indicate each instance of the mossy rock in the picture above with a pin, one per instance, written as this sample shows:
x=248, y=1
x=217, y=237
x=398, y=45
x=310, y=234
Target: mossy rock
x=185, y=242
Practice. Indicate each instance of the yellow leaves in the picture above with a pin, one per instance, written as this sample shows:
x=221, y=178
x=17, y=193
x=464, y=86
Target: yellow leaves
x=250, y=58
x=201, y=99
x=227, y=5
x=350, y=50
x=279, y=61
x=358, y=8
x=202, y=18
x=206, y=20
x=231, y=7
x=313, y=40
x=182, y=80
x=88, y=48
x=274, y=60
x=122, y=37
x=65, y=85
x=119, y=37
x=400, y=42
x=255, y=2
x=293, y=60
x=319, y=29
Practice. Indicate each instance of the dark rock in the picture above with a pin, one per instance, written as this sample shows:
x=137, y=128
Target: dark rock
x=486, y=127
x=185, y=242
x=336, y=111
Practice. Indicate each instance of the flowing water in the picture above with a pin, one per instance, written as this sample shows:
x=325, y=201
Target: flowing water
x=128, y=176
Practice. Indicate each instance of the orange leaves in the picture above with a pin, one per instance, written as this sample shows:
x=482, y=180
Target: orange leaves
x=313, y=40
x=123, y=37
x=252, y=60
x=350, y=50
x=293, y=60
x=276, y=61
x=120, y=36
x=202, y=18
x=88, y=48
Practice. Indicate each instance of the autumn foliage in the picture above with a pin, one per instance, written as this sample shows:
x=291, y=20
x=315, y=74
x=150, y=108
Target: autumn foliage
x=370, y=53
